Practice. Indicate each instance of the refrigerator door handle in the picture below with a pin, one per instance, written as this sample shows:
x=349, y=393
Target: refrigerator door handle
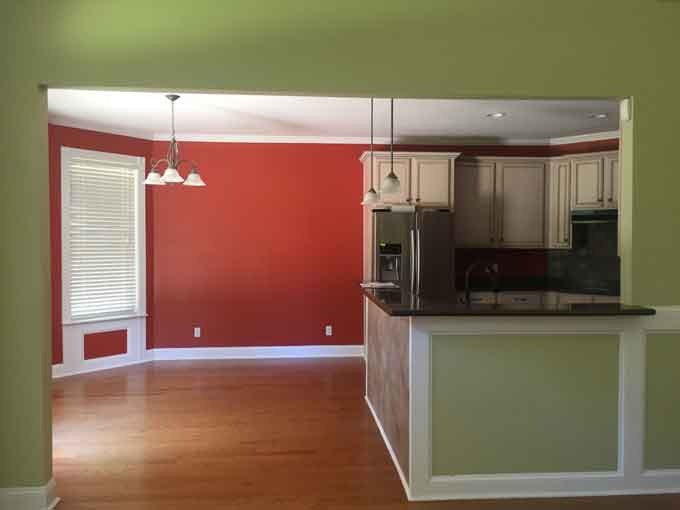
x=413, y=260
x=418, y=255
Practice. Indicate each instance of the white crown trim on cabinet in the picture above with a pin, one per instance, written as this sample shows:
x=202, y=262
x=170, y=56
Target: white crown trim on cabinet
x=30, y=498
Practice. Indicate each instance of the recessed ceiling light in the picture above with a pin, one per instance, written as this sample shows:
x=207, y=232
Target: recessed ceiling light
x=496, y=115
x=598, y=115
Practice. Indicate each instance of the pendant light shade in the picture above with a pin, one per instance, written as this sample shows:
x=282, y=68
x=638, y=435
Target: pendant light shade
x=171, y=175
x=194, y=179
x=154, y=179
x=370, y=197
x=390, y=183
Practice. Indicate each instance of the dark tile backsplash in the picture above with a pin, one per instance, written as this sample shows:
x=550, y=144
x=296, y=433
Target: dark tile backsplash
x=561, y=270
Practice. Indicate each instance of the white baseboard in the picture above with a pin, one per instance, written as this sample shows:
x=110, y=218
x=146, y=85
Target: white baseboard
x=288, y=351
x=106, y=363
x=29, y=498
x=206, y=353
x=389, y=449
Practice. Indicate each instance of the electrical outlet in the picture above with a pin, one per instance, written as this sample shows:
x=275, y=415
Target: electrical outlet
x=197, y=332
x=329, y=330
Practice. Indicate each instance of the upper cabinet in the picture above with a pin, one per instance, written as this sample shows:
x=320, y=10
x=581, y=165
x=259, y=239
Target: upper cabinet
x=474, y=218
x=427, y=178
x=559, y=205
x=500, y=203
x=594, y=181
x=432, y=181
x=611, y=180
x=520, y=203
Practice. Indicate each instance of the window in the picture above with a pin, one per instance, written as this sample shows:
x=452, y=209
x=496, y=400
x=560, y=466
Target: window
x=103, y=250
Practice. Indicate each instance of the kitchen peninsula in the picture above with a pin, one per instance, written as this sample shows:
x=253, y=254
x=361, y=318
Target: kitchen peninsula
x=515, y=400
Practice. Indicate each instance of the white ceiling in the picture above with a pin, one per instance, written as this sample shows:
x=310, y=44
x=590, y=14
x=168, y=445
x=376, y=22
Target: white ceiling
x=232, y=117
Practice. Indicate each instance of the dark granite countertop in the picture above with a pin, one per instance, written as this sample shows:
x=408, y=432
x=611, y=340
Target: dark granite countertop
x=402, y=303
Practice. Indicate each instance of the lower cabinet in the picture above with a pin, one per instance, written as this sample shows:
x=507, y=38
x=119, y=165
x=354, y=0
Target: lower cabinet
x=519, y=298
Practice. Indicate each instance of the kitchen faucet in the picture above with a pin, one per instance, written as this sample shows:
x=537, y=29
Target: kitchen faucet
x=490, y=269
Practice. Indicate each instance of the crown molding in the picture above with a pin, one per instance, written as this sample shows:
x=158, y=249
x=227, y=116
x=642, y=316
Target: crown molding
x=592, y=137
x=65, y=121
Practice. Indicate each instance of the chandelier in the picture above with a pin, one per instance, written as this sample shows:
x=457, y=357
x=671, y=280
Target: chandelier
x=172, y=161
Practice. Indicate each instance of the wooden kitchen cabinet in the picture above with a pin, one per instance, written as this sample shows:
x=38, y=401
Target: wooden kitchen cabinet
x=500, y=203
x=432, y=180
x=427, y=178
x=559, y=204
x=611, y=181
x=519, y=204
x=474, y=218
x=595, y=181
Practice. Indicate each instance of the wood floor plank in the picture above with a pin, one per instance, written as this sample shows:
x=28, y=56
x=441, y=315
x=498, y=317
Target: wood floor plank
x=244, y=435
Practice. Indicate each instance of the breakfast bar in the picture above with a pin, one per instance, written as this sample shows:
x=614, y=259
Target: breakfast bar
x=489, y=401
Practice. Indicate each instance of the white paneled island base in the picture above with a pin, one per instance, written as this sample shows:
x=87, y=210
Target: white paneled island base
x=477, y=407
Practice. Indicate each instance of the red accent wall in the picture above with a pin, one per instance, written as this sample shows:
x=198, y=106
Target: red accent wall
x=82, y=139
x=105, y=343
x=267, y=254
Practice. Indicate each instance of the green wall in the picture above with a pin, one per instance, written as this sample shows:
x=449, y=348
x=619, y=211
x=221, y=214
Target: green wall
x=662, y=428
x=524, y=403
x=445, y=48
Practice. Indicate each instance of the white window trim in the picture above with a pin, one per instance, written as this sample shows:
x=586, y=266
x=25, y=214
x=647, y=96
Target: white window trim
x=140, y=205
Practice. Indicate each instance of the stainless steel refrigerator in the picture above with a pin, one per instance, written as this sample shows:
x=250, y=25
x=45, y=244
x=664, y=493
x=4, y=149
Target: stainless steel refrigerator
x=415, y=250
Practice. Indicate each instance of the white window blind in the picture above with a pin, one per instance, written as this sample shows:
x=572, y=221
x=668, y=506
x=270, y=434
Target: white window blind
x=102, y=234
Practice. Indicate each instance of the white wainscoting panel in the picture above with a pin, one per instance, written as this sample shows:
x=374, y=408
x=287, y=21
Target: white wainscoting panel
x=629, y=478
x=74, y=361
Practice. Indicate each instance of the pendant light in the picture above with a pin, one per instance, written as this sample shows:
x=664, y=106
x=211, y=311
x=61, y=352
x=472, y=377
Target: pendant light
x=391, y=182
x=371, y=197
x=172, y=160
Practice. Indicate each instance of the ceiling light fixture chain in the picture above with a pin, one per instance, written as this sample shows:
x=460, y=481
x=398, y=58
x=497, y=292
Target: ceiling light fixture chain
x=371, y=197
x=391, y=182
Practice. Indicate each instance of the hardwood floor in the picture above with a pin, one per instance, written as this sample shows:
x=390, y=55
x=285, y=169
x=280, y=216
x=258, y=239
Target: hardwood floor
x=284, y=434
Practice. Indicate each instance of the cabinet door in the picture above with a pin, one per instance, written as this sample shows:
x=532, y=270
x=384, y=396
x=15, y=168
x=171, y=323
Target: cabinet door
x=432, y=182
x=611, y=181
x=559, y=207
x=520, y=204
x=474, y=199
x=574, y=299
x=402, y=169
x=606, y=299
x=587, y=183
x=520, y=298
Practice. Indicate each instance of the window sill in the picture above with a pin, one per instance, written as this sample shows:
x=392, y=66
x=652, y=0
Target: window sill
x=105, y=319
